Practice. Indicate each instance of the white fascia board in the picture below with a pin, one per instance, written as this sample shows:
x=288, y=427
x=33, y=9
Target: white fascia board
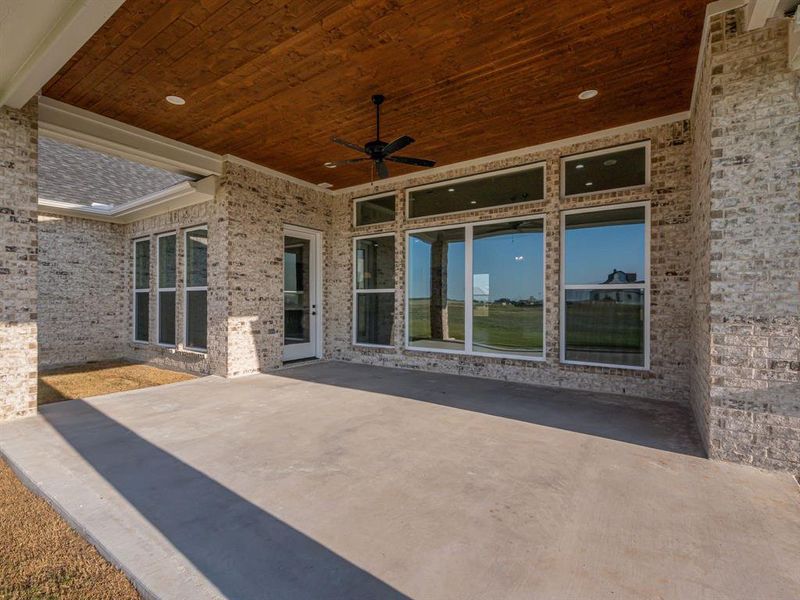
x=74, y=125
x=71, y=31
x=757, y=12
x=391, y=184
x=177, y=196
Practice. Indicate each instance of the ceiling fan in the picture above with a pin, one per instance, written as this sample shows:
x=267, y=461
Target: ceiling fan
x=379, y=151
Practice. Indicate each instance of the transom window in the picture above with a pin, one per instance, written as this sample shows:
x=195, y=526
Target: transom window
x=373, y=289
x=604, y=302
x=617, y=168
x=478, y=289
x=498, y=188
x=167, y=276
x=196, y=288
x=141, y=290
x=374, y=209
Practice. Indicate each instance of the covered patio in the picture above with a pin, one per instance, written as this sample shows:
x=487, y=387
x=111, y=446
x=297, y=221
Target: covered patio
x=335, y=480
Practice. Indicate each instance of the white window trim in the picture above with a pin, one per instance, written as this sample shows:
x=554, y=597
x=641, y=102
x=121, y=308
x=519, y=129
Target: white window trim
x=187, y=289
x=468, y=345
x=141, y=290
x=643, y=144
x=620, y=286
x=159, y=289
x=386, y=194
x=444, y=182
x=356, y=291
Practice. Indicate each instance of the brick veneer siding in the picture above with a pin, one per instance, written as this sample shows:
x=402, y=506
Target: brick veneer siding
x=255, y=207
x=18, y=254
x=669, y=198
x=753, y=404
x=176, y=221
x=82, y=287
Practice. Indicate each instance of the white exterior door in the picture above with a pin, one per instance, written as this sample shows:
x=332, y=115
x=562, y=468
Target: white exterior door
x=301, y=283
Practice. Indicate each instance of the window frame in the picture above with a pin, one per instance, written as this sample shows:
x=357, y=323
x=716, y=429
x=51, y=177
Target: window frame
x=141, y=290
x=468, y=288
x=563, y=287
x=356, y=291
x=392, y=193
x=159, y=289
x=562, y=183
x=444, y=182
x=187, y=289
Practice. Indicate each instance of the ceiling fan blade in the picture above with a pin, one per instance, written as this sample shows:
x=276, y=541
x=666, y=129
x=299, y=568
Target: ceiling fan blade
x=347, y=144
x=407, y=160
x=398, y=144
x=339, y=163
x=383, y=172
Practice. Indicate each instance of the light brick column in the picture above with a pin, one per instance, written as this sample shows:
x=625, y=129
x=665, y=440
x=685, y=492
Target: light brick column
x=750, y=409
x=18, y=252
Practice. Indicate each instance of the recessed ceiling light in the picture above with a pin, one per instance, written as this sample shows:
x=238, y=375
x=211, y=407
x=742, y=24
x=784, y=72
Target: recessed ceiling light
x=578, y=166
x=176, y=100
x=100, y=205
x=589, y=184
x=610, y=162
x=329, y=165
x=451, y=189
x=325, y=185
x=473, y=201
x=587, y=94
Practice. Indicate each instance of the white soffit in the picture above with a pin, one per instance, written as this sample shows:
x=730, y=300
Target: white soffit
x=84, y=128
x=37, y=37
x=175, y=197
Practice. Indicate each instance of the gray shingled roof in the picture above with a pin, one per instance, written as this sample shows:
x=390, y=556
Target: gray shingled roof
x=70, y=173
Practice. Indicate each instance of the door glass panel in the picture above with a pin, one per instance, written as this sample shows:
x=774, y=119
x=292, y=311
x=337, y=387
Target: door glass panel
x=296, y=294
x=508, y=288
x=436, y=289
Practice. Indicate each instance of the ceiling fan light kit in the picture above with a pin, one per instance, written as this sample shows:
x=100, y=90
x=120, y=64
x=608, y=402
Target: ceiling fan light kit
x=379, y=151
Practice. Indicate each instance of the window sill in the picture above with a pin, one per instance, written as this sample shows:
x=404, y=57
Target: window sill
x=578, y=363
x=540, y=359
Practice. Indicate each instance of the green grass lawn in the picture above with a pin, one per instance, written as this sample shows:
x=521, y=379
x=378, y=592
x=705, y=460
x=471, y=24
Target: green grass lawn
x=592, y=325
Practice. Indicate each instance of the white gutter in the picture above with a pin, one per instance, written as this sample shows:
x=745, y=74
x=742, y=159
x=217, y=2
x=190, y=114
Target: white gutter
x=178, y=196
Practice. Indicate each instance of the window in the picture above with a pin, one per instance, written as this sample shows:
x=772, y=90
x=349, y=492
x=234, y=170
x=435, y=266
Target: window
x=166, y=289
x=141, y=290
x=196, y=288
x=610, y=169
x=478, y=288
x=604, y=270
x=374, y=209
x=373, y=310
x=499, y=188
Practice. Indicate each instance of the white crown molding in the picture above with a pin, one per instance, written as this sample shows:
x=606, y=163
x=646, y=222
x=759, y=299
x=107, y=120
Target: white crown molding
x=398, y=181
x=273, y=173
x=177, y=196
x=74, y=125
x=66, y=33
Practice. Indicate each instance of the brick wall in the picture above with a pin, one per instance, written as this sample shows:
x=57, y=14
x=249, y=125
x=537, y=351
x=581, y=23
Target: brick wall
x=669, y=197
x=18, y=253
x=754, y=259
x=255, y=206
x=176, y=221
x=82, y=283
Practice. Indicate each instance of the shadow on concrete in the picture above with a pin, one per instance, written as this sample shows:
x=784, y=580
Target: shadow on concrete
x=656, y=424
x=243, y=550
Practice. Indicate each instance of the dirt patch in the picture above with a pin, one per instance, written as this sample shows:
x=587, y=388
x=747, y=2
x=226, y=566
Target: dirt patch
x=42, y=557
x=96, y=379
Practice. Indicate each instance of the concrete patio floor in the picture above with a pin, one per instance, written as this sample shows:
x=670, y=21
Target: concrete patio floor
x=343, y=481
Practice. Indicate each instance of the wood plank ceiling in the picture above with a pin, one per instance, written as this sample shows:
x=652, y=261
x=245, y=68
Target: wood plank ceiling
x=272, y=81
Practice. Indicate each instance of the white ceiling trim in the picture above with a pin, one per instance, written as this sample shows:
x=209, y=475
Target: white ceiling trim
x=79, y=21
x=177, y=196
x=757, y=12
x=445, y=170
x=84, y=128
